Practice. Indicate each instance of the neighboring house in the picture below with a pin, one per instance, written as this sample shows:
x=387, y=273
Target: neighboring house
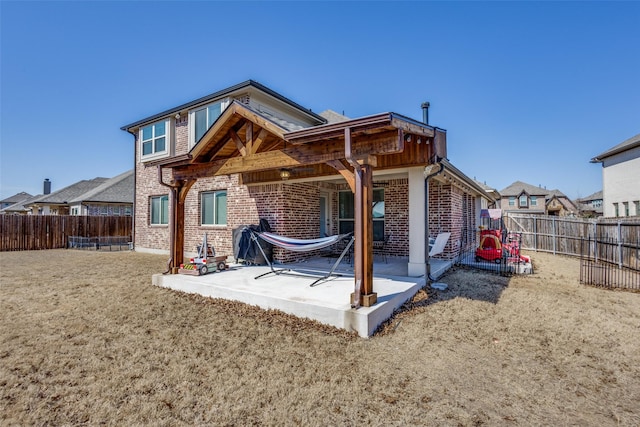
x=247, y=153
x=98, y=196
x=16, y=198
x=521, y=197
x=621, y=178
x=20, y=208
x=112, y=197
x=590, y=206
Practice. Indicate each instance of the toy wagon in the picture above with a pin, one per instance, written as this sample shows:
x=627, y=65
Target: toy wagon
x=206, y=261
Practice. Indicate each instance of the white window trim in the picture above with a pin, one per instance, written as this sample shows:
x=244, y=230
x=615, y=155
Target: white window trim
x=224, y=103
x=167, y=142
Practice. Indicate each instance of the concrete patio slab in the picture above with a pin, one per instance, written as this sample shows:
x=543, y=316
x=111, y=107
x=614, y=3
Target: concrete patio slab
x=327, y=302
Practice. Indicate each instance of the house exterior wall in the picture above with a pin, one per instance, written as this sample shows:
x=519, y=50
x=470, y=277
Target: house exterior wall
x=620, y=183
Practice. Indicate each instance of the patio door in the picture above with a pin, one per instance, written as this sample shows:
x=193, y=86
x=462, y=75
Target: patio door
x=323, y=215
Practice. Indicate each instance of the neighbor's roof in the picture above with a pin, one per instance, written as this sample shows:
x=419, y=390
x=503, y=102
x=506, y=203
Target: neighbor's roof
x=19, y=197
x=519, y=187
x=21, y=205
x=222, y=93
x=118, y=189
x=595, y=196
x=630, y=143
x=66, y=194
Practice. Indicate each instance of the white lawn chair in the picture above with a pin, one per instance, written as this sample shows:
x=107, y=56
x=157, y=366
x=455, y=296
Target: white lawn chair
x=439, y=243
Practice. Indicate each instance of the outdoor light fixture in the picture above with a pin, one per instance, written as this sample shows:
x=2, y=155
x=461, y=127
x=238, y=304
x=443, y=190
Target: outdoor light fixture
x=407, y=138
x=177, y=116
x=285, y=174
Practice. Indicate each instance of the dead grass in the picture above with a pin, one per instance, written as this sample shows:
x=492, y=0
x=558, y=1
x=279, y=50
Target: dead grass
x=86, y=339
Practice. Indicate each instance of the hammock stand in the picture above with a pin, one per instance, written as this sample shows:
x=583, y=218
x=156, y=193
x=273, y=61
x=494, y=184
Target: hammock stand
x=300, y=245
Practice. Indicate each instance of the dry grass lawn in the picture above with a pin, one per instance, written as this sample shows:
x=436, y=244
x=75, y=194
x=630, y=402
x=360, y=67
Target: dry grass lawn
x=86, y=340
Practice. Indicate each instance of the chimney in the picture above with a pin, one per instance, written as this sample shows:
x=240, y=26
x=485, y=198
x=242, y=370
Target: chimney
x=425, y=113
x=47, y=186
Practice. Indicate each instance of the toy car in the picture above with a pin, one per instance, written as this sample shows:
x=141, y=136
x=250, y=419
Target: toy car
x=205, y=262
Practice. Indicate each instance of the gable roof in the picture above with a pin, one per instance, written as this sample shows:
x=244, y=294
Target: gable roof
x=64, y=195
x=222, y=93
x=628, y=144
x=20, y=207
x=16, y=198
x=519, y=187
x=118, y=189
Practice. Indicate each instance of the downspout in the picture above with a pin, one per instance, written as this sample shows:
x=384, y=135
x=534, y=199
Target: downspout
x=428, y=175
x=171, y=221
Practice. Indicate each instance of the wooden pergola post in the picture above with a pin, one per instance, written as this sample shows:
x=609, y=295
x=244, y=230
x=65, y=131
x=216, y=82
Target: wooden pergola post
x=363, y=229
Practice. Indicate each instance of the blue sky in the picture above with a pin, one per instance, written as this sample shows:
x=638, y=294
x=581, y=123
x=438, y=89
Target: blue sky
x=527, y=91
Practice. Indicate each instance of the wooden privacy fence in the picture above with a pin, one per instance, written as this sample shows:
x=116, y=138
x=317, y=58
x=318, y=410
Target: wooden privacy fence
x=34, y=232
x=561, y=235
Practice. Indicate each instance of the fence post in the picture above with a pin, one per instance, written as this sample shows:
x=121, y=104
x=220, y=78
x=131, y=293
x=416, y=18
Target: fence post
x=553, y=233
x=535, y=233
x=619, y=236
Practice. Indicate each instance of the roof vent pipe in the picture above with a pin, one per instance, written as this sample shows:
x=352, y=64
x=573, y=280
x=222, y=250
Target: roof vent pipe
x=425, y=112
x=47, y=186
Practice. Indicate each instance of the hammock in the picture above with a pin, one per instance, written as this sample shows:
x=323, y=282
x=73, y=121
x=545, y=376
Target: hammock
x=300, y=245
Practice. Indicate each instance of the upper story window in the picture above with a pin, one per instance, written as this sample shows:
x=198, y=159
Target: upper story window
x=637, y=205
x=534, y=200
x=154, y=140
x=512, y=201
x=214, y=208
x=159, y=210
x=616, y=211
x=523, y=201
x=626, y=208
x=201, y=119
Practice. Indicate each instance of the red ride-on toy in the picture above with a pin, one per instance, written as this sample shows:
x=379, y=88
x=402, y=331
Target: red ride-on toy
x=490, y=248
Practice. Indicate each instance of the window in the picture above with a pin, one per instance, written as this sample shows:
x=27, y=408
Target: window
x=637, y=204
x=160, y=210
x=523, y=201
x=616, y=212
x=626, y=208
x=512, y=201
x=127, y=210
x=534, y=200
x=214, y=208
x=154, y=140
x=104, y=210
x=346, y=213
x=202, y=118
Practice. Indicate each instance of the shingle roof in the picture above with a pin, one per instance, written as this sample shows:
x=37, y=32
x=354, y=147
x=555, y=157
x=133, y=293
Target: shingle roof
x=118, y=189
x=19, y=197
x=595, y=196
x=222, y=93
x=20, y=206
x=66, y=194
x=628, y=144
x=518, y=187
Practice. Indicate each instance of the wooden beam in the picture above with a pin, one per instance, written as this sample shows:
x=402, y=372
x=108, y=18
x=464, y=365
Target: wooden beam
x=249, y=137
x=346, y=173
x=262, y=135
x=239, y=145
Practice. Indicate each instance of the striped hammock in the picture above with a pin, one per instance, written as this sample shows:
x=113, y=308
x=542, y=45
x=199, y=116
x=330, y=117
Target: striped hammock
x=300, y=245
